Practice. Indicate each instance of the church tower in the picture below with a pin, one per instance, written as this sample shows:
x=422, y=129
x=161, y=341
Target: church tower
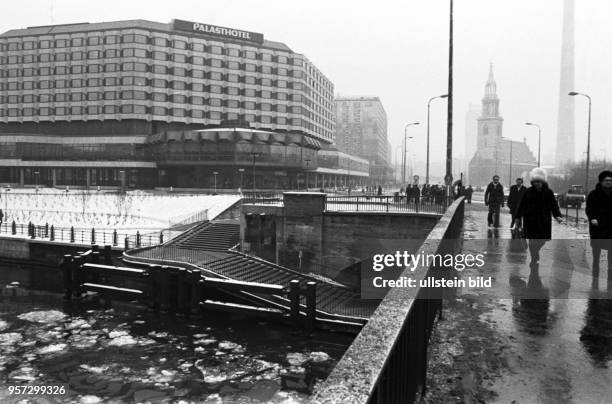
x=489, y=123
x=496, y=155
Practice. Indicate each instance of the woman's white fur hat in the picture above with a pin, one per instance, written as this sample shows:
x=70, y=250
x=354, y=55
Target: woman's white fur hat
x=537, y=174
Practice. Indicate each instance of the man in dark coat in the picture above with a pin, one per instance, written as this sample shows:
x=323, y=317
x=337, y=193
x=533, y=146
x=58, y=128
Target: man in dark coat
x=517, y=192
x=468, y=193
x=535, y=210
x=599, y=212
x=494, y=199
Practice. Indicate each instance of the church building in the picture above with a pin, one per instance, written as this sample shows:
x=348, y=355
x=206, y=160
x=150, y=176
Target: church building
x=496, y=154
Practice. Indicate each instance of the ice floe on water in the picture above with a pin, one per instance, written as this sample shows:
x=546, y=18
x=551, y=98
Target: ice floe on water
x=10, y=338
x=3, y=325
x=123, y=340
x=205, y=341
x=23, y=374
x=90, y=399
x=43, y=316
x=94, y=369
x=53, y=348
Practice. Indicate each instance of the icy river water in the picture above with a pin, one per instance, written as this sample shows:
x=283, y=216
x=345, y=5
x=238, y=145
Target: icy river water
x=126, y=354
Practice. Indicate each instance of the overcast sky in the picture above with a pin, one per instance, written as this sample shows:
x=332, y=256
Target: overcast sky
x=398, y=50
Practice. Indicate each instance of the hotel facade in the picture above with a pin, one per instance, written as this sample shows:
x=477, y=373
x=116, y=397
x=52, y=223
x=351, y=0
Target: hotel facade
x=137, y=103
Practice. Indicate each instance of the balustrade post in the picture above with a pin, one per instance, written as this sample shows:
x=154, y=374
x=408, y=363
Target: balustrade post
x=52, y=233
x=196, y=293
x=311, y=305
x=294, y=301
x=115, y=242
x=32, y=231
x=137, y=239
x=93, y=235
x=107, y=255
x=127, y=243
x=78, y=261
x=13, y=228
x=71, y=234
x=161, y=238
x=46, y=230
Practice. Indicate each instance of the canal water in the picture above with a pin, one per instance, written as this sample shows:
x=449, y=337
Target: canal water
x=127, y=354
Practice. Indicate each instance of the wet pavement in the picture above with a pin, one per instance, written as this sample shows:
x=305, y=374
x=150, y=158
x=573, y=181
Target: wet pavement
x=541, y=335
x=126, y=354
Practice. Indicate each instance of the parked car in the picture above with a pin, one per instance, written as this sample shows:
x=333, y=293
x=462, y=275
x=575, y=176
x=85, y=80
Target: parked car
x=574, y=197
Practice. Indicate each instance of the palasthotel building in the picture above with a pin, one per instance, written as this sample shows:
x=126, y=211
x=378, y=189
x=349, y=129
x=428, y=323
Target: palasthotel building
x=137, y=101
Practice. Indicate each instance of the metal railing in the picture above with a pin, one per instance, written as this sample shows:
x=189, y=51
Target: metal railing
x=256, y=197
x=387, y=362
x=387, y=203
x=189, y=218
x=87, y=236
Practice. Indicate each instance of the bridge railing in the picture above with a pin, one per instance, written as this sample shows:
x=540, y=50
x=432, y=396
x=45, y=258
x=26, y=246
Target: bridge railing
x=387, y=361
x=87, y=236
x=387, y=203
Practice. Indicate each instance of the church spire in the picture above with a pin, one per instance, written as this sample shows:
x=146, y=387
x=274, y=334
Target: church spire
x=491, y=86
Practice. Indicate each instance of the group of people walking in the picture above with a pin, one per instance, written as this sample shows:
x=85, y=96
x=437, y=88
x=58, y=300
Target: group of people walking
x=532, y=210
x=427, y=193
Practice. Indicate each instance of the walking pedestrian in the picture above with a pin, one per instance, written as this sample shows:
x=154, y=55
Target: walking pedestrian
x=379, y=193
x=535, y=210
x=468, y=194
x=1, y=217
x=494, y=199
x=599, y=213
x=517, y=192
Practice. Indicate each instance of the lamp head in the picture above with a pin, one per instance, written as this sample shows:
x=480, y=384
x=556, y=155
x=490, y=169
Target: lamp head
x=444, y=96
x=572, y=93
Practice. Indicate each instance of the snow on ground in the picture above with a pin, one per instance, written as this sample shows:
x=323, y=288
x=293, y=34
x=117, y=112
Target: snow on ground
x=135, y=210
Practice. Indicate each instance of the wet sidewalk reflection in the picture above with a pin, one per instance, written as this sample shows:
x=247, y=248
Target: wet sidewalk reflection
x=554, y=317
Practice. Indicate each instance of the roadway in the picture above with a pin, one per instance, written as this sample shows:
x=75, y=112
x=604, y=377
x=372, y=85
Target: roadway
x=535, y=336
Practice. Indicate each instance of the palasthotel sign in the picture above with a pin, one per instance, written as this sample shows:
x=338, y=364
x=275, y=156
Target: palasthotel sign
x=215, y=30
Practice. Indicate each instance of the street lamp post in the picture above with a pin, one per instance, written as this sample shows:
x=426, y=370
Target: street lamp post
x=428, y=109
x=404, y=154
x=215, y=173
x=588, y=152
x=539, y=139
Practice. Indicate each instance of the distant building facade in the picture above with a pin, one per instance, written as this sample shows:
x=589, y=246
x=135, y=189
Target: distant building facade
x=361, y=130
x=494, y=154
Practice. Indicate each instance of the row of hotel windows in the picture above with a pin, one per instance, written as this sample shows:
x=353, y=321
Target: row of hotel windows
x=143, y=54
x=138, y=67
x=136, y=81
x=156, y=69
x=156, y=97
x=145, y=40
x=144, y=110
